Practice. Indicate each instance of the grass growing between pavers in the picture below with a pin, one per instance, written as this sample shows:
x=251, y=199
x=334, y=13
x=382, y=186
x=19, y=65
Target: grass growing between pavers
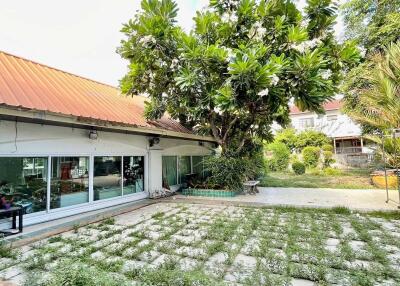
x=222, y=245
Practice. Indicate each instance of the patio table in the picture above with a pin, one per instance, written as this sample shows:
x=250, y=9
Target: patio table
x=250, y=187
x=14, y=212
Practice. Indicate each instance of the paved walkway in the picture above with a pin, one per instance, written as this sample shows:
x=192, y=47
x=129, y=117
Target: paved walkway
x=310, y=197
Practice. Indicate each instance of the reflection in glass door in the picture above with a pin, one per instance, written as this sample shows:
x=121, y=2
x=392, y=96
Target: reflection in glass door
x=133, y=174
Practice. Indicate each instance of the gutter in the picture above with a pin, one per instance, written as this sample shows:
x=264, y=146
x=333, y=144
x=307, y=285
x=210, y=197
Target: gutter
x=52, y=118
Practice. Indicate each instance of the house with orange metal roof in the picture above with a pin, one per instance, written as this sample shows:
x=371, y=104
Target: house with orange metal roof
x=349, y=146
x=70, y=144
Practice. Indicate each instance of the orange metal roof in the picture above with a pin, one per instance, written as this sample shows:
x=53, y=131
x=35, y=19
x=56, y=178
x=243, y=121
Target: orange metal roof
x=27, y=84
x=330, y=105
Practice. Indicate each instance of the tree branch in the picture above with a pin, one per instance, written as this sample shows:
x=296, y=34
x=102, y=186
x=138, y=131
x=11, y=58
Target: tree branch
x=229, y=128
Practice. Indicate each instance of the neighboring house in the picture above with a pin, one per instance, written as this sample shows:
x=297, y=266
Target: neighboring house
x=70, y=145
x=345, y=134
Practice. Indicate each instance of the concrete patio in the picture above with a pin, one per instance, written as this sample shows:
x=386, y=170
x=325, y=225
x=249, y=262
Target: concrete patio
x=308, y=197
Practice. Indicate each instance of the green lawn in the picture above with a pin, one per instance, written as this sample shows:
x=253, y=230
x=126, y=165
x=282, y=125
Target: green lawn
x=349, y=179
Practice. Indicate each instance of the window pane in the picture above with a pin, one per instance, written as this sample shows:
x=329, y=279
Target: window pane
x=69, y=181
x=184, y=168
x=107, y=177
x=169, y=171
x=198, y=166
x=133, y=174
x=23, y=181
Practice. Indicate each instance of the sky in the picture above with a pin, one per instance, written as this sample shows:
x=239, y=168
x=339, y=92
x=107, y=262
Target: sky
x=78, y=36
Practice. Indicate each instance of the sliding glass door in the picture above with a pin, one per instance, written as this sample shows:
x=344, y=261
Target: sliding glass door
x=23, y=181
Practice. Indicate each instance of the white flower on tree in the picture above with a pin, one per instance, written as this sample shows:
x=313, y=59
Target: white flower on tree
x=326, y=74
x=174, y=64
x=147, y=41
x=218, y=110
x=274, y=79
x=229, y=17
x=306, y=45
x=263, y=92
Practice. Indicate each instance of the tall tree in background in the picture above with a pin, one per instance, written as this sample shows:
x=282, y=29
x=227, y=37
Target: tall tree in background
x=236, y=71
x=379, y=99
x=374, y=24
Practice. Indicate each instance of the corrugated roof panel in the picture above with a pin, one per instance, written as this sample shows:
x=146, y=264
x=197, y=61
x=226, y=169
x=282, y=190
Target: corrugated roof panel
x=330, y=105
x=30, y=85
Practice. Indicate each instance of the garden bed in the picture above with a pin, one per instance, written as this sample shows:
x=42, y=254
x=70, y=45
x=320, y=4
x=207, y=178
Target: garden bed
x=208, y=193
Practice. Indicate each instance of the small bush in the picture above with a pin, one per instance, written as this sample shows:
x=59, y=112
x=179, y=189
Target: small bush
x=332, y=172
x=311, y=156
x=288, y=137
x=279, y=161
x=6, y=249
x=327, y=147
x=314, y=172
x=298, y=168
x=311, y=138
x=328, y=158
x=229, y=172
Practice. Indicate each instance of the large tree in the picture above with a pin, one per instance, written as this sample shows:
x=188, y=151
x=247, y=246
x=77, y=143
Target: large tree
x=374, y=25
x=236, y=71
x=378, y=103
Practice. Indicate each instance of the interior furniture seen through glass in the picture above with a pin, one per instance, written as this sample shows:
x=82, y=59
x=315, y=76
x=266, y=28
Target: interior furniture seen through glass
x=23, y=180
x=107, y=179
x=69, y=181
x=169, y=171
x=133, y=174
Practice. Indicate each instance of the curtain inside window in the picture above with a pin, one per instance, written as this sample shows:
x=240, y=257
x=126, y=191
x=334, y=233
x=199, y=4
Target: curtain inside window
x=184, y=168
x=169, y=170
x=198, y=166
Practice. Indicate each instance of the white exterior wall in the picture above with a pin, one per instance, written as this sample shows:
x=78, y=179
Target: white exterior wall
x=28, y=139
x=342, y=127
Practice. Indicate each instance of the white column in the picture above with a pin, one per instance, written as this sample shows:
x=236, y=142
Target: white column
x=155, y=170
x=334, y=144
x=91, y=174
x=48, y=189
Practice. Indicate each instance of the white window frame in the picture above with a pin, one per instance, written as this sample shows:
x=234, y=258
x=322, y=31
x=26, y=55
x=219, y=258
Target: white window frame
x=50, y=214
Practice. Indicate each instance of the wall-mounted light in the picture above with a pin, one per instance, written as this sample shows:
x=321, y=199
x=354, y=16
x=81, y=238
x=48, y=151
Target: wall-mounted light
x=154, y=141
x=93, y=134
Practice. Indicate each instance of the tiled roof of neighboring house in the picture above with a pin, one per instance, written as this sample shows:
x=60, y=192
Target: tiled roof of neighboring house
x=33, y=86
x=330, y=105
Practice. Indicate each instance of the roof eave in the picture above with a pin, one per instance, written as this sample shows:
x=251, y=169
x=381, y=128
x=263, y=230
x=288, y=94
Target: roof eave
x=51, y=117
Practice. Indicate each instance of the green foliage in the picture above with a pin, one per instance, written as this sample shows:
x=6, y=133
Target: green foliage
x=373, y=24
x=288, y=137
x=69, y=273
x=229, y=172
x=327, y=158
x=311, y=156
x=311, y=138
x=6, y=249
x=332, y=172
x=298, y=168
x=327, y=147
x=279, y=160
x=233, y=75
